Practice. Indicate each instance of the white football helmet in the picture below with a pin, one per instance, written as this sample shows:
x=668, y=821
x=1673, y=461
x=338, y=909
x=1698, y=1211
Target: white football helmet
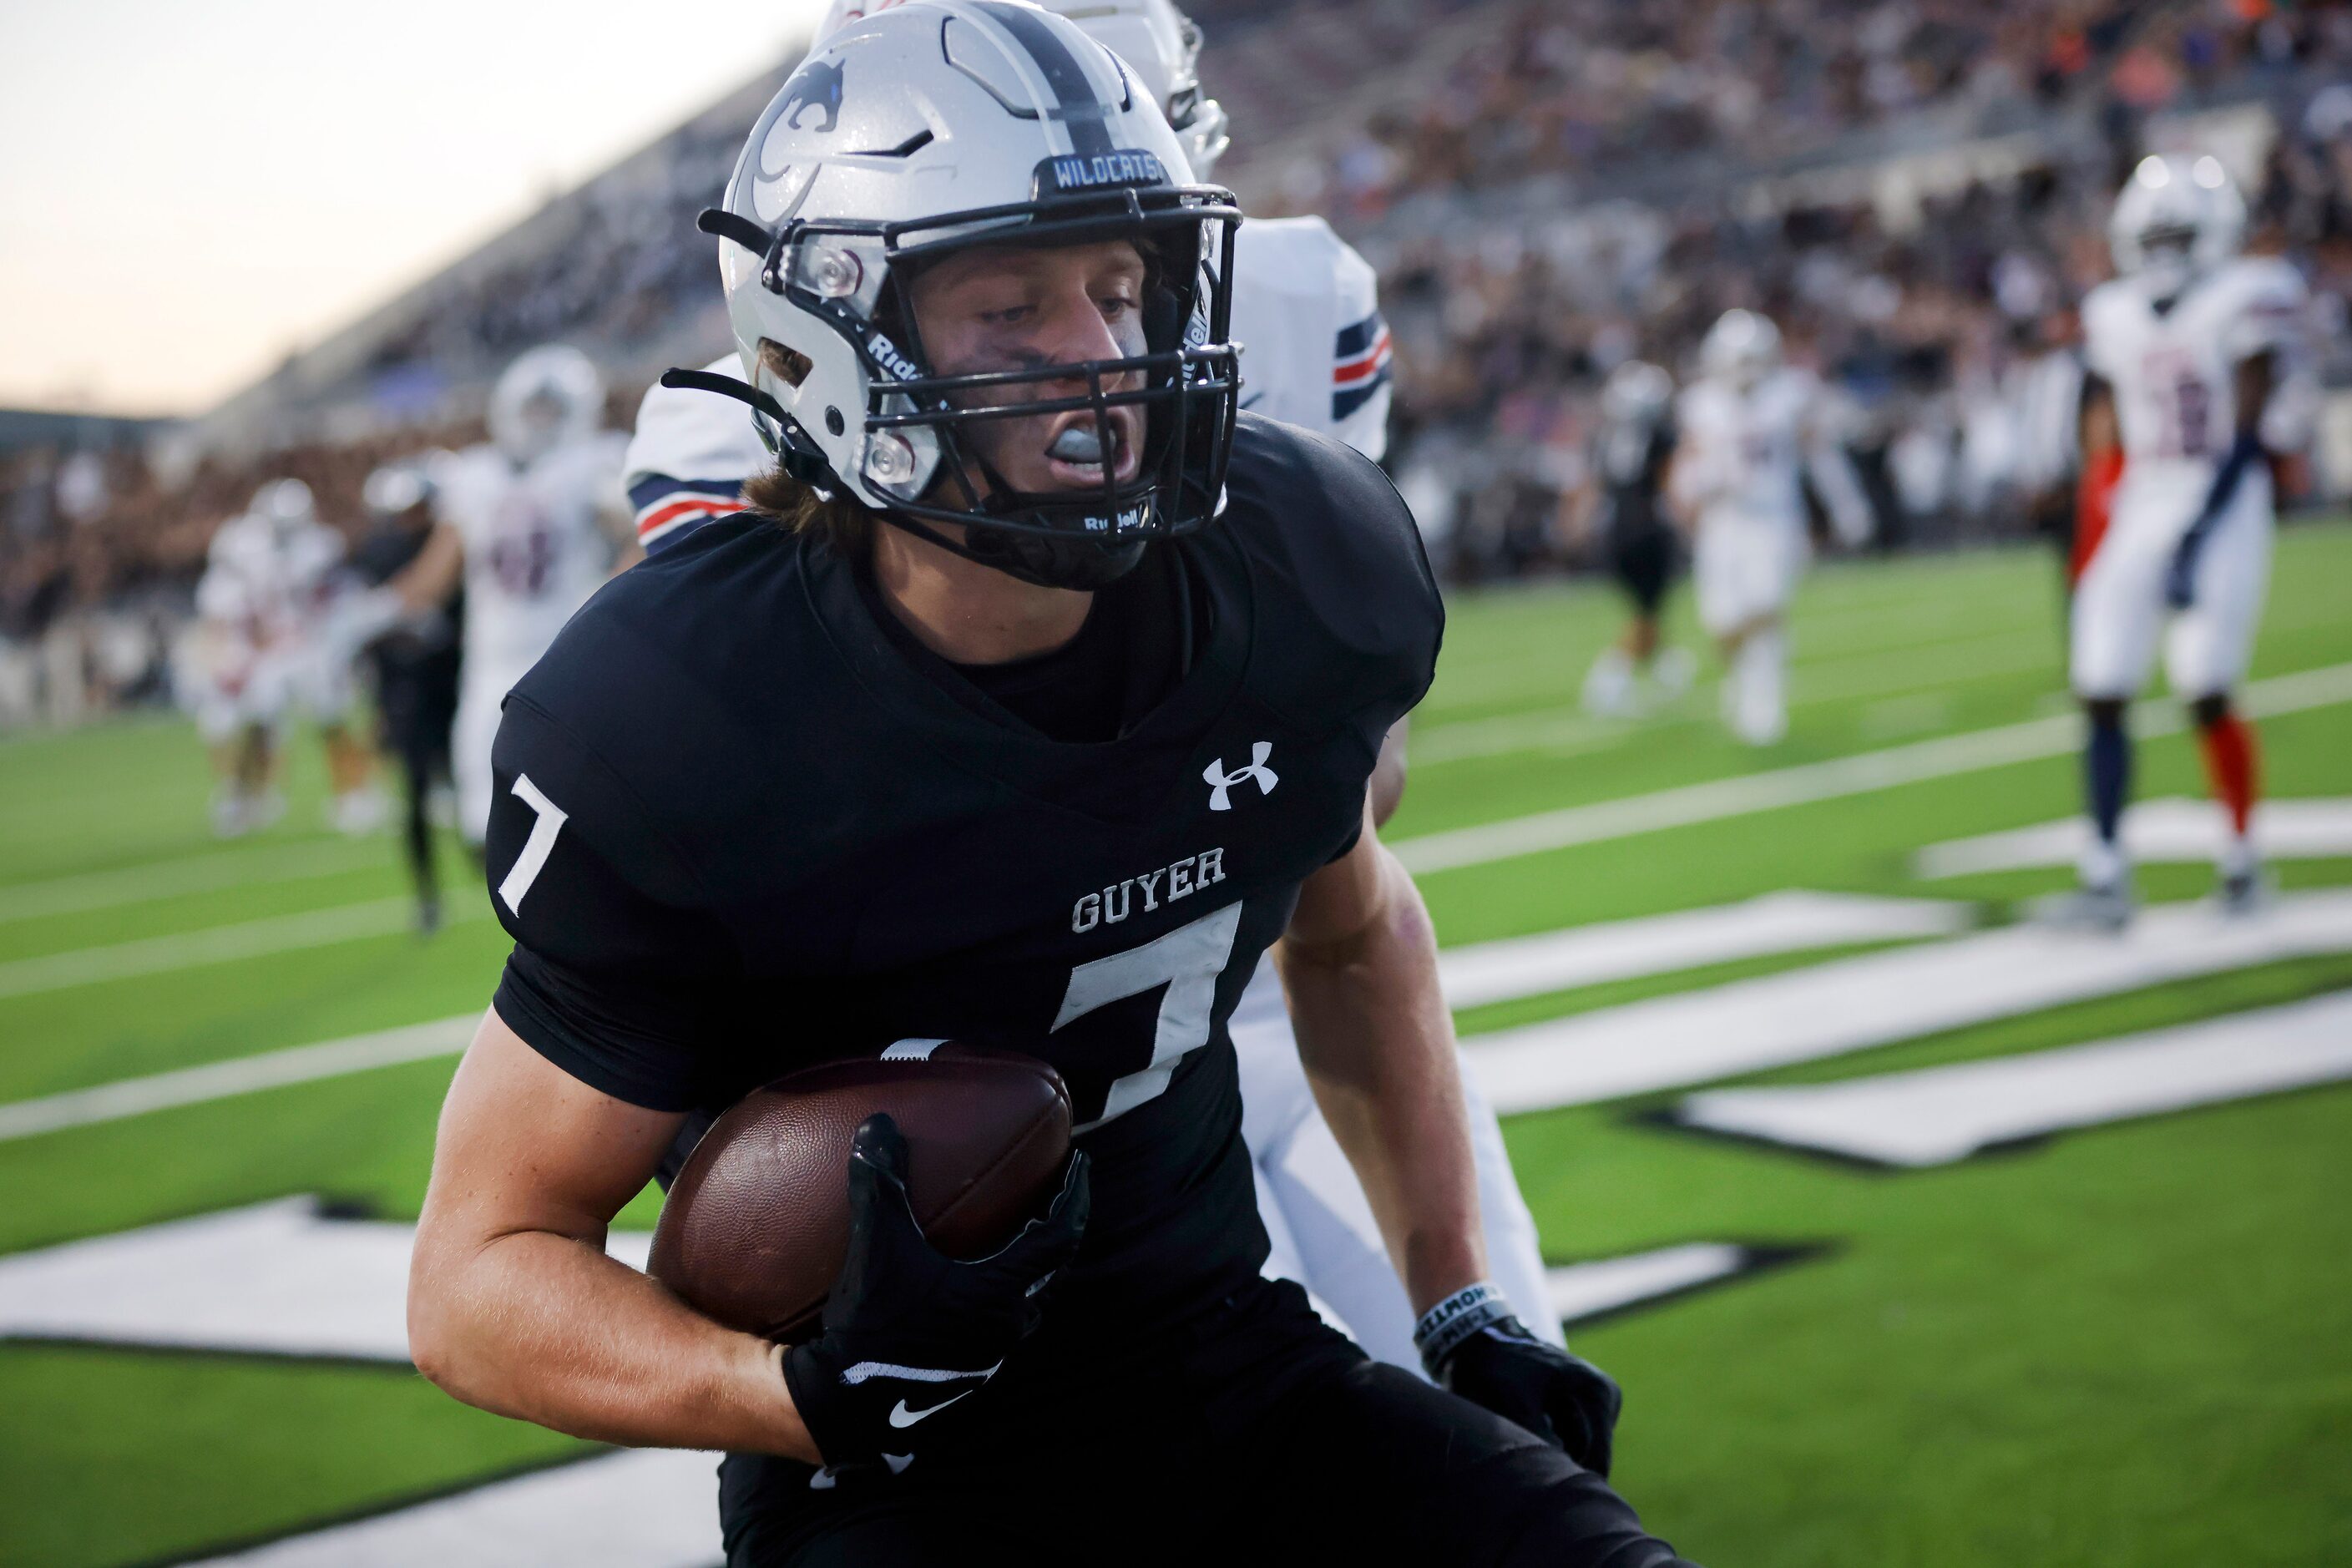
x=2175, y=218
x=286, y=505
x=1742, y=347
x=937, y=126
x=1635, y=391
x=549, y=396
x=1161, y=43
x=396, y=487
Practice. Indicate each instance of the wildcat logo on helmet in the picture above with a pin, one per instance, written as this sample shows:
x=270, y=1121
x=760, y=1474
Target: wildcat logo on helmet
x=1120, y=167
x=816, y=85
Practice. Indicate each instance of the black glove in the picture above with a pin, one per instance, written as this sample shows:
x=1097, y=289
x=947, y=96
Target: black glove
x=909, y=1332
x=1472, y=1346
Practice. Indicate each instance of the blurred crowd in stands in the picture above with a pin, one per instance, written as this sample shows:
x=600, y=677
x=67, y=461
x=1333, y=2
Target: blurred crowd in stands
x=1574, y=86
x=1585, y=181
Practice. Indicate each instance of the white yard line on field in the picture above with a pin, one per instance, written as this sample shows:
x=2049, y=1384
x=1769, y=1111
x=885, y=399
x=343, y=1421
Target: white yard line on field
x=206, y=873
x=241, y=1075
x=1483, y=972
x=1937, y=1115
x=2171, y=829
x=1567, y=728
x=1970, y=752
x=1854, y=1003
x=652, y=1508
x=1792, y=920
x=220, y=944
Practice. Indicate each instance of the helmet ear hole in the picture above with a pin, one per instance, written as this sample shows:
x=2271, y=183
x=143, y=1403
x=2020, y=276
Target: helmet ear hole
x=832, y=421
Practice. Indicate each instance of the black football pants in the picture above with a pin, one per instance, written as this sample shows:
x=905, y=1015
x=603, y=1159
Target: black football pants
x=1260, y=1436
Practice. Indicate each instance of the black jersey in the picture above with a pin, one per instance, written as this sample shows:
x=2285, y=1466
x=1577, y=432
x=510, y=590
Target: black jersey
x=739, y=830
x=1633, y=457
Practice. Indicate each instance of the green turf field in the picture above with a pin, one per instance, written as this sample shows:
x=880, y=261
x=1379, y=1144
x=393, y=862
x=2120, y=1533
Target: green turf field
x=2125, y=1345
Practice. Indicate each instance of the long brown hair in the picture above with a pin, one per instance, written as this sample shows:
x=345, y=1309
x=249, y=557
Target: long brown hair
x=836, y=519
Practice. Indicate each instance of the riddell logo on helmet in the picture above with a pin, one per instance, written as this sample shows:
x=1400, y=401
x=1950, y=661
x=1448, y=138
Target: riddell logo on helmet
x=886, y=355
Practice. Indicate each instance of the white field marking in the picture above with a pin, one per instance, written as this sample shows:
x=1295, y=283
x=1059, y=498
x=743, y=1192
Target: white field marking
x=1938, y=1115
x=275, y=1279
x=648, y=1508
x=1567, y=725
x=1972, y=750
x=2169, y=829
x=241, y=1075
x=1850, y=1005
x=206, y=873
x=221, y=944
x=1487, y=972
x=1788, y=922
x=1580, y=1291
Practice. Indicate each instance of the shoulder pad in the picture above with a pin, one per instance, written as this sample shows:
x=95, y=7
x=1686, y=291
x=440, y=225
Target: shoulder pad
x=688, y=458
x=1342, y=578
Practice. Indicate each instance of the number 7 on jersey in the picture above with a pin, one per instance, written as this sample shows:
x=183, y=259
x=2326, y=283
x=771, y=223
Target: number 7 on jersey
x=537, y=848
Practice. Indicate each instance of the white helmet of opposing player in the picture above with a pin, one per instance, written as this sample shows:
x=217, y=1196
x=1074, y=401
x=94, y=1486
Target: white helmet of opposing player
x=550, y=395
x=2175, y=217
x=1161, y=43
x=1742, y=347
x=285, y=505
x=932, y=127
x=1636, y=390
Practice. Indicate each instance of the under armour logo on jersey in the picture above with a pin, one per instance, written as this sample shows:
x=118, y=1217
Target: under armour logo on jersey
x=1221, y=782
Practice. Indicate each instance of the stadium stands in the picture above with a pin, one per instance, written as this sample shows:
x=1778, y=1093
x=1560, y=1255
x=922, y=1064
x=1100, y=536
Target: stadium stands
x=1917, y=189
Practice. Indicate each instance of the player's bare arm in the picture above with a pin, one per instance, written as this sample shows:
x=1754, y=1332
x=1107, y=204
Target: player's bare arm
x=426, y=583
x=513, y=1305
x=1360, y=965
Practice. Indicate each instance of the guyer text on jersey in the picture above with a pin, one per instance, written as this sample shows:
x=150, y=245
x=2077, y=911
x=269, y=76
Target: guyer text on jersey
x=1166, y=885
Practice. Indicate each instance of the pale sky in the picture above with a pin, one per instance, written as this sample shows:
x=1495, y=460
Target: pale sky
x=191, y=188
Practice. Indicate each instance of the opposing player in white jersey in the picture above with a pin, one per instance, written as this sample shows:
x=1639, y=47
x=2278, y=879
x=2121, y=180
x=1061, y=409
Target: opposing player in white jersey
x=1315, y=353
x=267, y=644
x=1752, y=428
x=534, y=522
x=2194, y=382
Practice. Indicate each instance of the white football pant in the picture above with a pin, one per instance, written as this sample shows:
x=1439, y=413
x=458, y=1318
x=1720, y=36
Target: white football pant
x=2119, y=605
x=1316, y=1214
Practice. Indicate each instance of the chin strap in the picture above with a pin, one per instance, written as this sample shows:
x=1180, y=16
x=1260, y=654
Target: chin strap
x=795, y=452
x=1083, y=564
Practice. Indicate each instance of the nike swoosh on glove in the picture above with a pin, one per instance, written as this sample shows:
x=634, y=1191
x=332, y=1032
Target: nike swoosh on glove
x=1564, y=1400
x=909, y=1332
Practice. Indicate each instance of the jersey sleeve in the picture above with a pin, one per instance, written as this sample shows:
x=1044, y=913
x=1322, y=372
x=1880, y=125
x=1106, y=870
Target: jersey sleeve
x=688, y=460
x=2270, y=311
x=1360, y=366
x=618, y=975
x=2104, y=310
x=1348, y=581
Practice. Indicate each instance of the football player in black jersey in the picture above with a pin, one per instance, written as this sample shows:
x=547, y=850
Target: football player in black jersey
x=1629, y=459
x=1038, y=698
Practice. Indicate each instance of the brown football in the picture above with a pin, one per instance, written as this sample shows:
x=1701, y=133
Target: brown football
x=756, y=1228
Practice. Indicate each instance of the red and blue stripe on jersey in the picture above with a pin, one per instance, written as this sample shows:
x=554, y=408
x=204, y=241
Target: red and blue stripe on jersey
x=1362, y=365
x=667, y=508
